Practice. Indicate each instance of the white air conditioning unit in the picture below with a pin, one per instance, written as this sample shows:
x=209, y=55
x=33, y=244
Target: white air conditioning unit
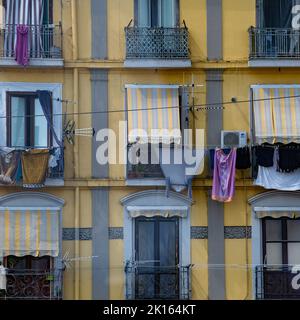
x=233, y=139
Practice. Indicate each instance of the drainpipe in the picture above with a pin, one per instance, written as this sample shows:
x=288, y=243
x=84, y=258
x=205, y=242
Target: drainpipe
x=76, y=151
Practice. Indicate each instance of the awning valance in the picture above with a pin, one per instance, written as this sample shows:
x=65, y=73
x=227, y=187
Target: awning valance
x=153, y=114
x=277, y=212
x=32, y=232
x=157, y=211
x=276, y=113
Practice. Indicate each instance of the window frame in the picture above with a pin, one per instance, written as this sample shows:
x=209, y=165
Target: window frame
x=29, y=121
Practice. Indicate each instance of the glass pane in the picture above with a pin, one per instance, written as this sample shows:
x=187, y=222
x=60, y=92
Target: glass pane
x=273, y=230
x=145, y=241
x=41, y=264
x=40, y=126
x=168, y=260
x=144, y=13
x=167, y=243
x=274, y=254
x=293, y=253
x=145, y=254
x=293, y=230
x=168, y=13
x=18, y=105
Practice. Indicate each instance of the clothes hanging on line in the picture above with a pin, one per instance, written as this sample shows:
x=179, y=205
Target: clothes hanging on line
x=224, y=175
x=21, y=49
x=271, y=178
x=264, y=155
x=34, y=168
x=212, y=157
x=9, y=163
x=288, y=157
x=243, y=159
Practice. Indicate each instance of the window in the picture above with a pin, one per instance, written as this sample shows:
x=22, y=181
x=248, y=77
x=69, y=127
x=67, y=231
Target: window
x=157, y=13
x=26, y=123
x=281, y=251
x=281, y=241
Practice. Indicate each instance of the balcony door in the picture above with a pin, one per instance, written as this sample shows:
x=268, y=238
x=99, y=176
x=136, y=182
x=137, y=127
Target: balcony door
x=281, y=251
x=157, y=258
x=157, y=13
x=277, y=13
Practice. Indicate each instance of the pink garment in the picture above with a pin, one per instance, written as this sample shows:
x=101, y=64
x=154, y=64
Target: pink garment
x=21, y=50
x=224, y=176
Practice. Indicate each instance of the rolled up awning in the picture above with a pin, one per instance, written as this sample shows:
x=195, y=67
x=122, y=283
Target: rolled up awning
x=154, y=211
x=153, y=114
x=276, y=113
x=30, y=231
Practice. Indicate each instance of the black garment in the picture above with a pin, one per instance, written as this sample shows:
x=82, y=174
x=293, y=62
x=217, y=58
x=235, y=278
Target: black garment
x=243, y=158
x=289, y=157
x=264, y=155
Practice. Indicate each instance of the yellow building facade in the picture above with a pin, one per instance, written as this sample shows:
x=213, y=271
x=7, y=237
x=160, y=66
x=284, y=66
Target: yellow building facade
x=89, y=54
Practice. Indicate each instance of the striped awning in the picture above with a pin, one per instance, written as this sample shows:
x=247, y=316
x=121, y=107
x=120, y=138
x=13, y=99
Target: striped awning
x=276, y=113
x=153, y=114
x=31, y=231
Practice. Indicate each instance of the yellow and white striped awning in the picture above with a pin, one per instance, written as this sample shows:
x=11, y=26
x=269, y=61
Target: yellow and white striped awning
x=276, y=113
x=31, y=231
x=153, y=114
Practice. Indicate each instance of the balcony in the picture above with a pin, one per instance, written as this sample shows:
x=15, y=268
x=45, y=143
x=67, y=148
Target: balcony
x=33, y=285
x=44, y=42
x=144, y=282
x=272, y=47
x=275, y=283
x=157, y=47
x=54, y=172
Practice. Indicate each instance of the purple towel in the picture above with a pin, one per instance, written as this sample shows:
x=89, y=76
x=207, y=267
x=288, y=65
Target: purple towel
x=21, y=50
x=224, y=176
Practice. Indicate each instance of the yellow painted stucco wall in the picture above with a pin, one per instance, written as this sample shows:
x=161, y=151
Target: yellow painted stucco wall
x=238, y=16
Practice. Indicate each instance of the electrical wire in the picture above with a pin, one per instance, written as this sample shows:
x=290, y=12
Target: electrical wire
x=197, y=107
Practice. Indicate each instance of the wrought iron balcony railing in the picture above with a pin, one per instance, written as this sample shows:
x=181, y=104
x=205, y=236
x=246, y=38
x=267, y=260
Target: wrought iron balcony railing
x=44, y=41
x=33, y=285
x=149, y=282
x=275, y=283
x=273, y=43
x=157, y=43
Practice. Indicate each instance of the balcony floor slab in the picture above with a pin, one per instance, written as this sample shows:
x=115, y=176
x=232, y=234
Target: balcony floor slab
x=274, y=63
x=157, y=63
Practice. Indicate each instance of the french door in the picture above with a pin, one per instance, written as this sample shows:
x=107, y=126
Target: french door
x=281, y=251
x=157, y=258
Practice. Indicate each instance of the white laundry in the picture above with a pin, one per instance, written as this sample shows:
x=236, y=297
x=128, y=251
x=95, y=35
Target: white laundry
x=2, y=278
x=270, y=178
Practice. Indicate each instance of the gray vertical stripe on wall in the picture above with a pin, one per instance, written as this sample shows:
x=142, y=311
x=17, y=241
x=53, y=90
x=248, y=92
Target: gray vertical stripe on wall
x=214, y=30
x=99, y=84
x=216, y=250
x=100, y=245
x=216, y=242
x=99, y=29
